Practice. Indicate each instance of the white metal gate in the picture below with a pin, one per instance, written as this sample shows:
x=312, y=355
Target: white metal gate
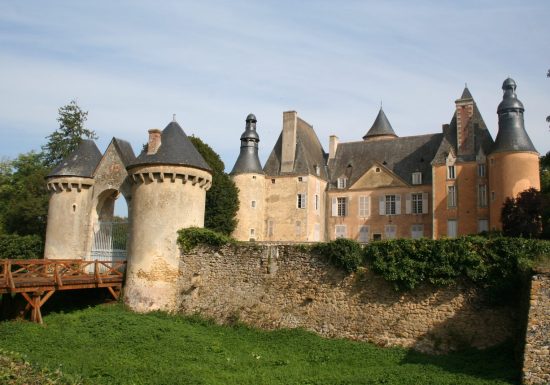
x=110, y=241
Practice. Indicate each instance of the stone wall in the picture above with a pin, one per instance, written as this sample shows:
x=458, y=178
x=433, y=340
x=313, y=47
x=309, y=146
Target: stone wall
x=287, y=287
x=536, y=365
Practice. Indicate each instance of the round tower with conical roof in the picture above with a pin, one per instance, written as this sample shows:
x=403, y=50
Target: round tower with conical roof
x=71, y=189
x=381, y=129
x=169, y=183
x=250, y=180
x=513, y=161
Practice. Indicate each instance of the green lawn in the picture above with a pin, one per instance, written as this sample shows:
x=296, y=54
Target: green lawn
x=110, y=345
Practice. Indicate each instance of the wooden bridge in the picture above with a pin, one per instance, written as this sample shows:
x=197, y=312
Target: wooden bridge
x=38, y=279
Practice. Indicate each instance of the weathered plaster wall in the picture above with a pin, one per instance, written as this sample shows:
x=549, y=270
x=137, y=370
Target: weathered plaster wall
x=536, y=365
x=283, y=287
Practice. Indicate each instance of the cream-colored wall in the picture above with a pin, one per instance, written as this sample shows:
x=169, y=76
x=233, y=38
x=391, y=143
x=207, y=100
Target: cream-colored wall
x=68, y=217
x=281, y=208
x=251, y=188
x=509, y=174
x=164, y=200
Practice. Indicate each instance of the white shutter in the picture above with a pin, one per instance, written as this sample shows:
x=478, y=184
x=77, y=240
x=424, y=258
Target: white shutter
x=408, y=203
x=424, y=203
x=368, y=206
x=398, y=204
x=382, y=205
x=334, y=207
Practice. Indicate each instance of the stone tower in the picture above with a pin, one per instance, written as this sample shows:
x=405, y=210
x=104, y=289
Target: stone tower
x=71, y=187
x=513, y=162
x=169, y=183
x=250, y=180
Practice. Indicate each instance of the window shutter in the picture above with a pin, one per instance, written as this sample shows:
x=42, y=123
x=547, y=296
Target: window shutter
x=382, y=205
x=424, y=203
x=397, y=204
x=368, y=206
x=408, y=203
x=334, y=207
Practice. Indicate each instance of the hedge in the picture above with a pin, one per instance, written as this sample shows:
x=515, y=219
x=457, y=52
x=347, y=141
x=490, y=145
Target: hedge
x=13, y=246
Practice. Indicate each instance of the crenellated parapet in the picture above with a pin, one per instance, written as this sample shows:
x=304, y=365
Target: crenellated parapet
x=171, y=174
x=68, y=184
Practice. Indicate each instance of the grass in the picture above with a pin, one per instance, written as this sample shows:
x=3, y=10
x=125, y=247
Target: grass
x=110, y=345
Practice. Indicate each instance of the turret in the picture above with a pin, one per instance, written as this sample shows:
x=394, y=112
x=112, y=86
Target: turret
x=169, y=183
x=70, y=185
x=514, y=161
x=249, y=179
x=380, y=129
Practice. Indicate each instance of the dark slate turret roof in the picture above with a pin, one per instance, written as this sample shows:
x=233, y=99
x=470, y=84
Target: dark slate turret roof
x=175, y=149
x=403, y=156
x=380, y=127
x=511, y=134
x=80, y=163
x=248, y=161
x=466, y=94
x=309, y=153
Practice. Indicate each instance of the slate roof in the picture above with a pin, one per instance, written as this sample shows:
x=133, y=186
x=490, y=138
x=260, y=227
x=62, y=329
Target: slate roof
x=248, y=161
x=81, y=162
x=466, y=94
x=403, y=156
x=125, y=150
x=175, y=149
x=381, y=126
x=309, y=153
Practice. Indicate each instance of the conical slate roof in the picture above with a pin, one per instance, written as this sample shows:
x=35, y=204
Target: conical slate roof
x=81, y=162
x=380, y=127
x=511, y=134
x=466, y=94
x=175, y=149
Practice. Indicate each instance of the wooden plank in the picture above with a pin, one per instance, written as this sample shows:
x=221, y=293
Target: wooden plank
x=113, y=293
x=46, y=297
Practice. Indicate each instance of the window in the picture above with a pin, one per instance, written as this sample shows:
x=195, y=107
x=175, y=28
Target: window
x=252, y=233
x=342, y=207
x=416, y=203
x=342, y=182
x=390, y=231
x=482, y=225
x=451, y=228
x=253, y=204
x=451, y=172
x=493, y=196
x=298, y=228
x=378, y=170
x=273, y=181
x=363, y=234
x=317, y=202
x=270, y=227
x=376, y=237
x=300, y=179
x=481, y=170
x=389, y=205
x=364, y=209
x=253, y=176
x=317, y=170
x=416, y=178
x=301, y=201
x=340, y=231
x=417, y=231
x=451, y=196
x=482, y=195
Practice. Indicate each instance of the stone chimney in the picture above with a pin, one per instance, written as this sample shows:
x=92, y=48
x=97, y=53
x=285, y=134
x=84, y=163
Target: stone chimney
x=332, y=146
x=290, y=125
x=154, y=141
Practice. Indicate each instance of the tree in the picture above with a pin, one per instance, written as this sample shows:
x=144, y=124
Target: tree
x=522, y=216
x=23, y=195
x=222, y=200
x=545, y=190
x=68, y=136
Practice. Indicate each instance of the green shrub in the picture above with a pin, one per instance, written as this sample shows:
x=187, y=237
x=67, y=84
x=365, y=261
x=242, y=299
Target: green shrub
x=13, y=246
x=191, y=237
x=344, y=253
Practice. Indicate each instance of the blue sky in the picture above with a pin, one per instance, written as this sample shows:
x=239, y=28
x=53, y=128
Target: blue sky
x=132, y=64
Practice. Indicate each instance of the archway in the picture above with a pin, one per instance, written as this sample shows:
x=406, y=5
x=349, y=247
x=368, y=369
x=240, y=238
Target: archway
x=110, y=229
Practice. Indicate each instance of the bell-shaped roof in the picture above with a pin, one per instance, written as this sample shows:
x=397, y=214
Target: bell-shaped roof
x=510, y=100
x=380, y=127
x=80, y=163
x=175, y=149
x=248, y=160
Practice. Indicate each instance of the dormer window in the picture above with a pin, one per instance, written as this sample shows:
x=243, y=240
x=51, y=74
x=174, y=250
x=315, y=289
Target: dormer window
x=481, y=170
x=342, y=182
x=417, y=178
x=451, y=172
x=317, y=170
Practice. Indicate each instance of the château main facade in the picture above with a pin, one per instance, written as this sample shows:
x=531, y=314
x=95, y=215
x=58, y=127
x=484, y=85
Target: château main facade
x=384, y=186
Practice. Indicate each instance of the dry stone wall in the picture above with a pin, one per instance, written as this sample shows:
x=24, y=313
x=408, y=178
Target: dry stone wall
x=288, y=287
x=536, y=365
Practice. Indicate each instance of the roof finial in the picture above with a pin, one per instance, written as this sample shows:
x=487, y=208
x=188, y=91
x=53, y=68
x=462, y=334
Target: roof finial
x=465, y=85
x=380, y=103
x=173, y=117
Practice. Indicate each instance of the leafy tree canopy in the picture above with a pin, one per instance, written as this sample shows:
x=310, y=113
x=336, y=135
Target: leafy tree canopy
x=522, y=216
x=222, y=200
x=68, y=136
